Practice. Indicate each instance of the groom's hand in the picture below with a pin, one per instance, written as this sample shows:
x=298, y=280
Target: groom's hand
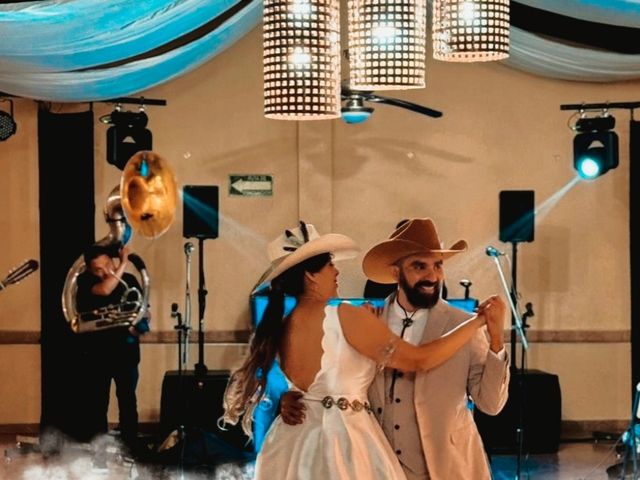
x=291, y=408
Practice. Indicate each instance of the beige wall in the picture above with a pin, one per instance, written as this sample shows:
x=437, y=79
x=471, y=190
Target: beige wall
x=501, y=130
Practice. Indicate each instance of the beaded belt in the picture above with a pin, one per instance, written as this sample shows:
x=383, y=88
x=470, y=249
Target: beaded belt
x=343, y=404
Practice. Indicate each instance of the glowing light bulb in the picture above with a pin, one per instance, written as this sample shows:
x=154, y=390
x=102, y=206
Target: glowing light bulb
x=384, y=33
x=301, y=7
x=300, y=57
x=468, y=11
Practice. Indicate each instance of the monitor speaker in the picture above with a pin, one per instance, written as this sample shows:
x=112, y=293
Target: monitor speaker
x=196, y=402
x=534, y=406
x=200, y=211
x=516, y=216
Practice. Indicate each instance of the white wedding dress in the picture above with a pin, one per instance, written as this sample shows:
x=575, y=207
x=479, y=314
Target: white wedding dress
x=332, y=442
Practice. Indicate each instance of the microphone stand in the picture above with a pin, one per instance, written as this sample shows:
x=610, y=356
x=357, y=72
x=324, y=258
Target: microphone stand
x=515, y=317
x=516, y=327
x=184, y=358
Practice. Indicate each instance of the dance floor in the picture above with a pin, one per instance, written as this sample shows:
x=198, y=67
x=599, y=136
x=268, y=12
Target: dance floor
x=584, y=460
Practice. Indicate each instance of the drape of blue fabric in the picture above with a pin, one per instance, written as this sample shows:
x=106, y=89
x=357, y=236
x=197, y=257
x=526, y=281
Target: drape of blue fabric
x=61, y=50
x=67, y=35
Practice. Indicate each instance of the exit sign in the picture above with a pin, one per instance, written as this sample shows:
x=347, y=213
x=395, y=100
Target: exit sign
x=251, y=185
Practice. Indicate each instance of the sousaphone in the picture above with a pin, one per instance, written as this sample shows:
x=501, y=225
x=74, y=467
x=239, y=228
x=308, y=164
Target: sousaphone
x=145, y=203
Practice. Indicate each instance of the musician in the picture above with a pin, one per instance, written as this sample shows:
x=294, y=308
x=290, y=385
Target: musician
x=113, y=353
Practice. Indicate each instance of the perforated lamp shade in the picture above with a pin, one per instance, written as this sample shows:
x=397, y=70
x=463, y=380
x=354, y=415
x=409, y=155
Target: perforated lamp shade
x=387, y=44
x=470, y=30
x=7, y=124
x=301, y=57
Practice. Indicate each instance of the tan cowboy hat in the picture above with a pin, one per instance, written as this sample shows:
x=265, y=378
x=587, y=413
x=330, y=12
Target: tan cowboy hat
x=416, y=236
x=296, y=245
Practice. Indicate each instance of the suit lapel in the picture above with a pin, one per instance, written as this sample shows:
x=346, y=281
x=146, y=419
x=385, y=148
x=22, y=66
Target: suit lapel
x=437, y=321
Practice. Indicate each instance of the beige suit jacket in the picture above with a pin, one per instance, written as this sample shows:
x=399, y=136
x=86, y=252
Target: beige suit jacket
x=451, y=443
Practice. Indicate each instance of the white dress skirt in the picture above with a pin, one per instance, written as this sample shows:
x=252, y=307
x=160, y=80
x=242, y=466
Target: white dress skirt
x=332, y=442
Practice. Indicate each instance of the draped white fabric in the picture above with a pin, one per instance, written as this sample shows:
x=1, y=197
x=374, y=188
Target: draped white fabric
x=534, y=54
x=84, y=50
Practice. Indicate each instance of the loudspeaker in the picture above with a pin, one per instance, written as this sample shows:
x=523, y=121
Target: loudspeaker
x=516, y=215
x=200, y=211
x=536, y=396
x=195, y=401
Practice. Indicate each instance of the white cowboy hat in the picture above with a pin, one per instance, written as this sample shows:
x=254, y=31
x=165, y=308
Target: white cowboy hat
x=295, y=245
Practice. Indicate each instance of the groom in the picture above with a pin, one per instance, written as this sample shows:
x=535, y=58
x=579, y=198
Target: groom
x=425, y=415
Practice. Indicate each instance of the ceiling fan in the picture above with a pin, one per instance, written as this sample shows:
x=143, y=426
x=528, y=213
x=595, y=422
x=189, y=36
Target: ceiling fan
x=355, y=111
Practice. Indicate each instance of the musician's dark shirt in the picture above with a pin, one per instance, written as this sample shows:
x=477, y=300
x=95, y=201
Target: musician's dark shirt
x=113, y=341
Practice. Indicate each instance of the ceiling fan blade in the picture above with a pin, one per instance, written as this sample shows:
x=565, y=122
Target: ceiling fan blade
x=414, y=107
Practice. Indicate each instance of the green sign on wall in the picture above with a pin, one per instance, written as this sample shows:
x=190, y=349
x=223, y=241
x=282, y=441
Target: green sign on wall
x=251, y=185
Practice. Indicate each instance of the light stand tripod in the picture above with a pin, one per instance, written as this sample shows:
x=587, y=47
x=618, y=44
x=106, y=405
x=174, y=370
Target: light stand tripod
x=632, y=443
x=183, y=331
x=630, y=438
x=183, y=328
x=517, y=328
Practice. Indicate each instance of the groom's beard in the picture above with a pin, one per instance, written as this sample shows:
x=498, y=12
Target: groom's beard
x=417, y=297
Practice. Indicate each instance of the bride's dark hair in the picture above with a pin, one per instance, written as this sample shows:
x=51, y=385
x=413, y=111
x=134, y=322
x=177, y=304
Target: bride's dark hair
x=247, y=383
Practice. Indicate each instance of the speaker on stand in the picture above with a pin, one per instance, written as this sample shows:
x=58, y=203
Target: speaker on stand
x=192, y=400
x=200, y=211
x=517, y=216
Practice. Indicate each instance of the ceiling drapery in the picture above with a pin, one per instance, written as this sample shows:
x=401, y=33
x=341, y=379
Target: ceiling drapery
x=84, y=50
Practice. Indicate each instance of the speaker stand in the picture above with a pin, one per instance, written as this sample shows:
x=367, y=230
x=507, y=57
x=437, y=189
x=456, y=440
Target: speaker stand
x=516, y=327
x=200, y=368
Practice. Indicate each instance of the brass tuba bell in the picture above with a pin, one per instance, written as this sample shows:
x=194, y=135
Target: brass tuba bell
x=149, y=194
x=145, y=203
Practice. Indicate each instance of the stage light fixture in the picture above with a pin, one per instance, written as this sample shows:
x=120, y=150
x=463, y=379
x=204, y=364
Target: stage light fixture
x=595, y=147
x=7, y=124
x=127, y=136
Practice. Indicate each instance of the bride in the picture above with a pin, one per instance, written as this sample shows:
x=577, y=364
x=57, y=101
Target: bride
x=329, y=353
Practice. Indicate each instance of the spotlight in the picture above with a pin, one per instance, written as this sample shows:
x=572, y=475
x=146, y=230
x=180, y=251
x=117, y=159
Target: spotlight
x=354, y=110
x=595, y=147
x=7, y=124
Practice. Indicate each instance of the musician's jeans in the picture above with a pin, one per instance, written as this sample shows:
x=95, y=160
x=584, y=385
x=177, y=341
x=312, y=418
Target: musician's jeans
x=125, y=375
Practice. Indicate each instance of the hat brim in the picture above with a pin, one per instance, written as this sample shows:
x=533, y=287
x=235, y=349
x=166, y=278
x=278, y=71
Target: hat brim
x=378, y=263
x=340, y=246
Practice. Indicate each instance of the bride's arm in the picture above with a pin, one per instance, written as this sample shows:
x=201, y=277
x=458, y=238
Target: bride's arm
x=372, y=338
